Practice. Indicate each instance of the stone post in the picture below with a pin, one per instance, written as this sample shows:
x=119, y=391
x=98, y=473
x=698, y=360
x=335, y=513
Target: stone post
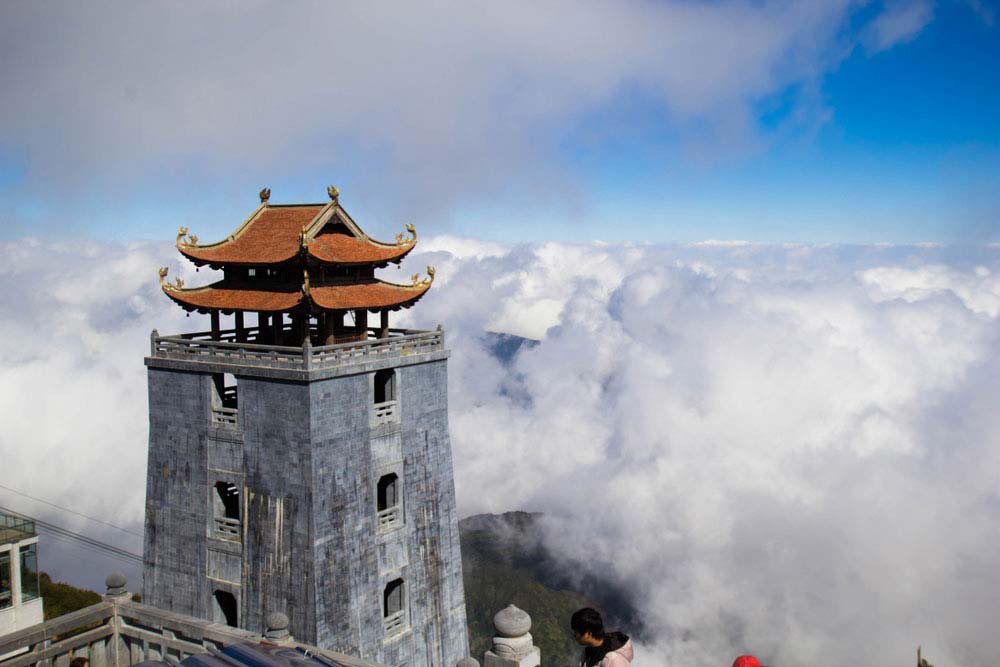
x=513, y=645
x=116, y=586
x=467, y=662
x=276, y=631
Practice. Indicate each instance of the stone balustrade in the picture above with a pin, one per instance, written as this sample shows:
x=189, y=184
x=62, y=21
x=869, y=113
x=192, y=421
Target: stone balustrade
x=198, y=352
x=118, y=632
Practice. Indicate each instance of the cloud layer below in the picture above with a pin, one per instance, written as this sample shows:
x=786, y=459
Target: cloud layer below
x=789, y=450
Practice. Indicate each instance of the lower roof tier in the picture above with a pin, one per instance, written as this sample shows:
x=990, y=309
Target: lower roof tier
x=229, y=297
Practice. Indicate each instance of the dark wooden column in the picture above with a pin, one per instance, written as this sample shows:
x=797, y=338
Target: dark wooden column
x=300, y=328
x=277, y=328
x=215, y=324
x=333, y=323
x=262, y=324
x=361, y=323
x=241, y=332
x=384, y=329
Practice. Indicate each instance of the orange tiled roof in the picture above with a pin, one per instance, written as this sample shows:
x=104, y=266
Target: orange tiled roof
x=367, y=295
x=270, y=236
x=345, y=249
x=229, y=297
x=274, y=234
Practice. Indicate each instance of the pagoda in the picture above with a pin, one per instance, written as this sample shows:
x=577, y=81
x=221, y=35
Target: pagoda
x=309, y=264
x=300, y=461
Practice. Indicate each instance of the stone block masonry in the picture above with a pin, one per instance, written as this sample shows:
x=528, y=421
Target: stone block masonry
x=311, y=468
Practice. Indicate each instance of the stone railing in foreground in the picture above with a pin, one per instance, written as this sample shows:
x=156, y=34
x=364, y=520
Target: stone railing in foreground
x=196, y=351
x=118, y=632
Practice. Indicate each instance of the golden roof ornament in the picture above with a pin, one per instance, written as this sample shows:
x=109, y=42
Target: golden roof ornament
x=191, y=238
x=410, y=241
x=333, y=192
x=178, y=283
x=426, y=282
x=265, y=195
x=305, y=282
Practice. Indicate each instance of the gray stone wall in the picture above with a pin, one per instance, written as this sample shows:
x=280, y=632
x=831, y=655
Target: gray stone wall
x=274, y=417
x=177, y=500
x=307, y=456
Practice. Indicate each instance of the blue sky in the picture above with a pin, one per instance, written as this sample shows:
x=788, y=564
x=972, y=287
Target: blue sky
x=675, y=121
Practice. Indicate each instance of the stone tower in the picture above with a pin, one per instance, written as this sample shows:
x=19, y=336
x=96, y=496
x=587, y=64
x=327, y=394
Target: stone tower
x=299, y=462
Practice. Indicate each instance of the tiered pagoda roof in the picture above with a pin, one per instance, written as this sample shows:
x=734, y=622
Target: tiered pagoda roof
x=298, y=259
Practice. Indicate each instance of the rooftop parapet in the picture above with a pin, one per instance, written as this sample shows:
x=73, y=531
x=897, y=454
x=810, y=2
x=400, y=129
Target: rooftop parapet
x=15, y=528
x=199, y=352
x=118, y=632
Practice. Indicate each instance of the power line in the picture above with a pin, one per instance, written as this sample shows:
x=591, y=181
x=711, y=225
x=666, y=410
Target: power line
x=66, y=509
x=81, y=539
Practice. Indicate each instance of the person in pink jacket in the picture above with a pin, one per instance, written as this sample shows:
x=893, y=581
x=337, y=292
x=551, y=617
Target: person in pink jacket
x=600, y=648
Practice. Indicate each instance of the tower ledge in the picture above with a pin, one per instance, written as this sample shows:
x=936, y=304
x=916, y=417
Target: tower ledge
x=198, y=352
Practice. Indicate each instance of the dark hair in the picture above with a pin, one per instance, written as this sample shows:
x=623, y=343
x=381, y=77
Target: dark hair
x=587, y=620
x=79, y=661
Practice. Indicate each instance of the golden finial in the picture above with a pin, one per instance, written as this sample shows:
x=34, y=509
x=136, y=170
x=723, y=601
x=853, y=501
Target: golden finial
x=305, y=281
x=191, y=238
x=178, y=283
x=413, y=238
x=333, y=192
x=426, y=282
x=265, y=195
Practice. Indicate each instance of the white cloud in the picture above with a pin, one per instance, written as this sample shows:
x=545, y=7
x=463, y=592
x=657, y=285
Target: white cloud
x=770, y=455
x=901, y=21
x=445, y=101
x=785, y=450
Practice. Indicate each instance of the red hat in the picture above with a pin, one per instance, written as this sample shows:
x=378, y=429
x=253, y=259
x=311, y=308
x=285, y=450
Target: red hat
x=746, y=661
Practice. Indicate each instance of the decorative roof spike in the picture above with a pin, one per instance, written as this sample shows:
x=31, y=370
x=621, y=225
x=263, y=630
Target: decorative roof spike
x=178, y=283
x=265, y=195
x=305, y=282
x=426, y=282
x=191, y=238
x=410, y=241
x=333, y=192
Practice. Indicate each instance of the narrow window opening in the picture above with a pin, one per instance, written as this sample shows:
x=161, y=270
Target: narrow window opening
x=225, y=400
x=5, y=586
x=225, y=387
x=392, y=599
x=385, y=389
x=225, y=608
x=226, y=511
x=29, y=572
x=388, y=488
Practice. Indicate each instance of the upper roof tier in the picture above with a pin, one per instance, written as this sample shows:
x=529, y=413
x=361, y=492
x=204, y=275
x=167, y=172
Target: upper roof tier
x=227, y=296
x=280, y=233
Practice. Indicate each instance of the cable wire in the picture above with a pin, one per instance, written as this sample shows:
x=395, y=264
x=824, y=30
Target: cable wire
x=81, y=539
x=66, y=509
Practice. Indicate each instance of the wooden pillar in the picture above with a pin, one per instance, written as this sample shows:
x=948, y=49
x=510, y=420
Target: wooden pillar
x=241, y=332
x=361, y=323
x=384, y=329
x=262, y=323
x=326, y=336
x=277, y=328
x=215, y=324
x=300, y=328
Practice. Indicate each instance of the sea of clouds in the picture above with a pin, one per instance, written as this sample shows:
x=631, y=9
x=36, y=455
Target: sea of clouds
x=788, y=450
